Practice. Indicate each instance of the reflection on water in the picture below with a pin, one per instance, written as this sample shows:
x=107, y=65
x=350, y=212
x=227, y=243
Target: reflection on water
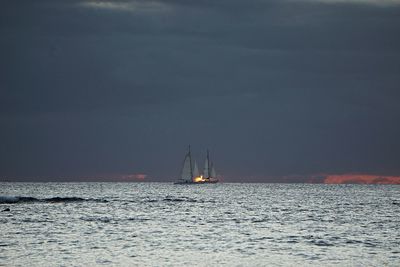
x=157, y=224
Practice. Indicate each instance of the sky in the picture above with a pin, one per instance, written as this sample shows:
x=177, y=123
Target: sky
x=277, y=90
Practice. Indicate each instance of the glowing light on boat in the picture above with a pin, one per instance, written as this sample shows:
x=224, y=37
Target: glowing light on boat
x=198, y=179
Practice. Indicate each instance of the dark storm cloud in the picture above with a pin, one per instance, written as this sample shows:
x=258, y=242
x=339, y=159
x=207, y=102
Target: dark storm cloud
x=275, y=88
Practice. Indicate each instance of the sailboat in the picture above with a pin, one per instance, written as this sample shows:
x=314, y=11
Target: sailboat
x=190, y=171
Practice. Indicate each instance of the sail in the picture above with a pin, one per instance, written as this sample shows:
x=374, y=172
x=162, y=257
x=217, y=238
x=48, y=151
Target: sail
x=196, y=170
x=206, y=171
x=186, y=174
x=213, y=173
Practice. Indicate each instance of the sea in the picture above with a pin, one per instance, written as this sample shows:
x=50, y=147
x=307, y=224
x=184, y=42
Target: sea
x=227, y=224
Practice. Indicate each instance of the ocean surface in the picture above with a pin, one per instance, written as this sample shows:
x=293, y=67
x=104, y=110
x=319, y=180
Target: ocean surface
x=161, y=224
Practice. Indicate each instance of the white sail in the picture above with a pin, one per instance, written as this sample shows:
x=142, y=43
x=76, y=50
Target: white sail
x=206, y=171
x=196, y=170
x=213, y=173
x=186, y=174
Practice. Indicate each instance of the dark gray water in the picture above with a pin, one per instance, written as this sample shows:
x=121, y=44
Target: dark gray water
x=160, y=224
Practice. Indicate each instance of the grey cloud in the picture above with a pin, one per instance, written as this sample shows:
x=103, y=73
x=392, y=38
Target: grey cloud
x=274, y=88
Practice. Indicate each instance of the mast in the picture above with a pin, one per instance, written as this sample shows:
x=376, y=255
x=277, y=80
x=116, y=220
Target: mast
x=208, y=163
x=207, y=166
x=191, y=167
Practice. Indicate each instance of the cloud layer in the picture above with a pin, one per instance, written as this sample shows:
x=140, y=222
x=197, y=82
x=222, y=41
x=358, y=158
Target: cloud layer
x=273, y=88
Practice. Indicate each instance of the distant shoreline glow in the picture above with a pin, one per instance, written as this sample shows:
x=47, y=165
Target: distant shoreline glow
x=361, y=179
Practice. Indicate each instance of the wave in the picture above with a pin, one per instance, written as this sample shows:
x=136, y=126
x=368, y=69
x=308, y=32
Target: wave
x=114, y=220
x=181, y=199
x=169, y=199
x=20, y=199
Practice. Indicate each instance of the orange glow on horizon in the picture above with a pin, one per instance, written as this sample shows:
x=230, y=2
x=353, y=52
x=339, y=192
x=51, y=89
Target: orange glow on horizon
x=361, y=179
x=133, y=177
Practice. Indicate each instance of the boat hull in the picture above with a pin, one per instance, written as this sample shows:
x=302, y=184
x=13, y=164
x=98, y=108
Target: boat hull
x=202, y=182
